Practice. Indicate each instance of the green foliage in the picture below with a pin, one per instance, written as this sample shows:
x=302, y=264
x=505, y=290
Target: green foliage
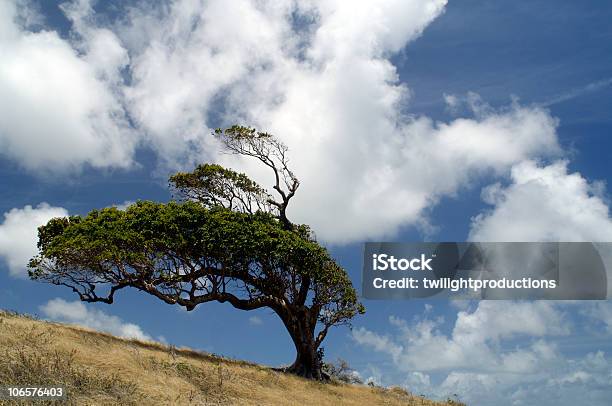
x=148, y=231
x=165, y=243
x=214, y=185
x=228, y=240
x=239, y=132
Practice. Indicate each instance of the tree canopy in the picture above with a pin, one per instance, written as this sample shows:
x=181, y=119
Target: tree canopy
x=226, y=240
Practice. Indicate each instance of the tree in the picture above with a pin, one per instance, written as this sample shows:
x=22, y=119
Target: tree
x=226, y=239
x=342, y=371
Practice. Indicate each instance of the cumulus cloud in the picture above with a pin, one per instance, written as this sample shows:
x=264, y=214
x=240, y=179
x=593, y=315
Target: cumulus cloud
x=19, y=234
x=58, y=107
x=78, y=313
x=503, y=353
x=474, y=339
x=548, y=203
x=318, y=75
x=544, y=203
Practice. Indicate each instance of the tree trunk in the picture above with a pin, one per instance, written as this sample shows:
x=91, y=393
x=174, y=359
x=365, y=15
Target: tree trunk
x=306, y=362
x=301, y=330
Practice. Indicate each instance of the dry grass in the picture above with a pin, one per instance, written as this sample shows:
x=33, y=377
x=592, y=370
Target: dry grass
x=100, y=369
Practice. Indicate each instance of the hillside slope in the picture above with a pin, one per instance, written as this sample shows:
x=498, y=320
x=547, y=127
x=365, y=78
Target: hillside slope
x=98, y=368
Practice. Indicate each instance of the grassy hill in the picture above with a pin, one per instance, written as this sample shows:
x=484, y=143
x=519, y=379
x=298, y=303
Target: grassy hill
x=98, y=368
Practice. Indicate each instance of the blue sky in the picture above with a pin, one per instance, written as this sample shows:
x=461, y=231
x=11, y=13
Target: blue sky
x=398, y=117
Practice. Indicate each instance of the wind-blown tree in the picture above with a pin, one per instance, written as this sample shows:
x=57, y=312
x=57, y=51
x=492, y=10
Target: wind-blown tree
x=226, y=239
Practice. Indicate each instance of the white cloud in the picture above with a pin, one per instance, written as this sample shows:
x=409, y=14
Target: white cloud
x=124, y=205
x=418, y=382
x=377, y=342
x=58, y=107
x=78, y=313
x=547, y=203
x=19, y=234
x=317, y=74
x=474, y=338
x=330, y=92
x=601, y=312
x=578, y=92
x=255, y=321
x=544, y=203
x=502, y=353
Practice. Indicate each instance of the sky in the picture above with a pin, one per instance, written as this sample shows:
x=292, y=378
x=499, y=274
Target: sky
x=405, y=120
